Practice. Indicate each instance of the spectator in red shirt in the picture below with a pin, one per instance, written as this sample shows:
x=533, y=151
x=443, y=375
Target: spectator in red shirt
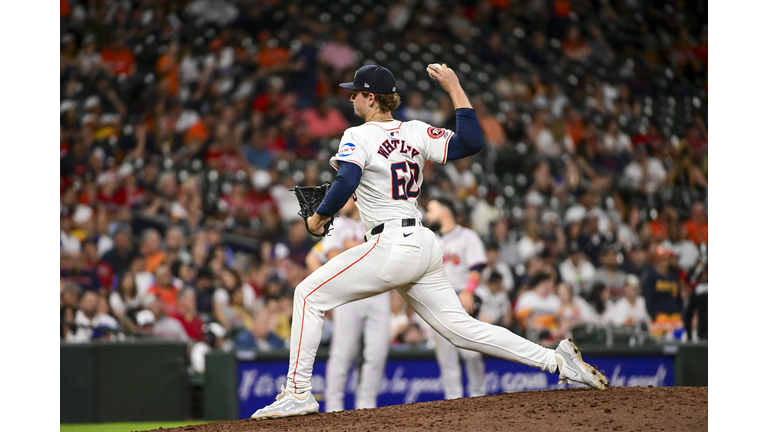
x=90, y=253
x=561, y=8
x=650, y=137
x=269, y=98
x=238, y=198
x=118, y=58
x=110, y=194
x=187, y=315
x=275, y=141
x=224, y=153
x=132, y=191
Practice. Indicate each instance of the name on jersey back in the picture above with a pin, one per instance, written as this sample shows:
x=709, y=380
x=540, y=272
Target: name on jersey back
x=390, y=145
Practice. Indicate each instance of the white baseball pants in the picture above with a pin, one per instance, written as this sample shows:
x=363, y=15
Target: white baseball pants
x=366, y=319
x=448, y=358
x=410, y=260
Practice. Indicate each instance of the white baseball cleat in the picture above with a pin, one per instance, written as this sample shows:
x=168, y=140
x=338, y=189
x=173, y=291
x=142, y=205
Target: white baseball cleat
x=573, y=368
x=289, y=404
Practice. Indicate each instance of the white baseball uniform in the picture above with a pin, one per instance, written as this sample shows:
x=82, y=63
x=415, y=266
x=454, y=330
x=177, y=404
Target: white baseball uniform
x=367, y=318
x=462, y=250
x=403, y=256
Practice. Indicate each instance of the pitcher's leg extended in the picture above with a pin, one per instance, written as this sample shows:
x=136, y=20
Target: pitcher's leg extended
x=349, y=276
x=436, y=302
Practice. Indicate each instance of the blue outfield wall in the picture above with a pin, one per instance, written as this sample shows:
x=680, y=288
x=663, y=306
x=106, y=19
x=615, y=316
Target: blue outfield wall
x=418, y=380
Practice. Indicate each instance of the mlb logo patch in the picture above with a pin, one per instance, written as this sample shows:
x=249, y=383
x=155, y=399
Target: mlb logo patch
x=346, y=150
x=435, y=133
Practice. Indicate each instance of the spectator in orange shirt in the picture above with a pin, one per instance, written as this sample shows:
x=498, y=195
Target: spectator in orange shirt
x=168, y=68
x=659, y=226
x=271, y=54
x=574, y=125
x=150, y=249
x=164, y=290
x=118, y=58
x=493, y=131
x=196, y=135
x=697, y=226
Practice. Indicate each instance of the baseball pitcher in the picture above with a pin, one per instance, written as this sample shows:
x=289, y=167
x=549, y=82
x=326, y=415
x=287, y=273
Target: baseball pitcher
x=379, y=164
x=366, y=319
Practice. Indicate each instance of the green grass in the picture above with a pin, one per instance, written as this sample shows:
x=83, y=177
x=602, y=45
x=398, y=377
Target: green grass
x=125, y=427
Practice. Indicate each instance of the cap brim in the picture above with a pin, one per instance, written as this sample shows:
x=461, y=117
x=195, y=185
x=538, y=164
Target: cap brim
x=349, y=86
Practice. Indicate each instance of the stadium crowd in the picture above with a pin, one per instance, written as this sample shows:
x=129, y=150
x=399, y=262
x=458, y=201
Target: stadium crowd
x=185, y=123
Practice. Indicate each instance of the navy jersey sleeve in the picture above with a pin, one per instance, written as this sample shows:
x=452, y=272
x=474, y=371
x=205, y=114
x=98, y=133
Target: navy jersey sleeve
x=468, y=139
x=347, y=180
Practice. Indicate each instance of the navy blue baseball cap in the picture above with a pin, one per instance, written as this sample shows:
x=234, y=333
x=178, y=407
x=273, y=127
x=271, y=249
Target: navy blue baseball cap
x=372, y=79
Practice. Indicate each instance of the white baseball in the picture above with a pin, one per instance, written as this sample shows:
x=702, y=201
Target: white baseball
x=438, y=65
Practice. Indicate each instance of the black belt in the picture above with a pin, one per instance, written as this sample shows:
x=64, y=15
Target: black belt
x=379, y=228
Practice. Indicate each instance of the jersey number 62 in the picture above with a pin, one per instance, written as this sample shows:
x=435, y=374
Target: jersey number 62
x=401, y=190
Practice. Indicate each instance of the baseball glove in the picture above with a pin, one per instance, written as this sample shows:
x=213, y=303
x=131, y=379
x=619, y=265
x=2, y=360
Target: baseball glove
x=310, y=198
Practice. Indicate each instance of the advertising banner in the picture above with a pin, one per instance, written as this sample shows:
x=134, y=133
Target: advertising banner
x=418, y=380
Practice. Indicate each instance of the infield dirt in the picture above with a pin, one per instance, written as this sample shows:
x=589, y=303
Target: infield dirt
x=615, y=409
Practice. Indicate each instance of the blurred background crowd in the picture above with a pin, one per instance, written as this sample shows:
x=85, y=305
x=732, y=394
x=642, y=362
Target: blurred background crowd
x=185, y=123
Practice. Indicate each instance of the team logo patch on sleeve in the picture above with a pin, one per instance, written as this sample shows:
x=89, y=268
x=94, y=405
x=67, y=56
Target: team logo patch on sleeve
x=435, y=133
x=346, y=150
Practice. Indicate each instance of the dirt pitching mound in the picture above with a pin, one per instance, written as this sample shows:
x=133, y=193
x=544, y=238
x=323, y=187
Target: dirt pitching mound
x=616, y=409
